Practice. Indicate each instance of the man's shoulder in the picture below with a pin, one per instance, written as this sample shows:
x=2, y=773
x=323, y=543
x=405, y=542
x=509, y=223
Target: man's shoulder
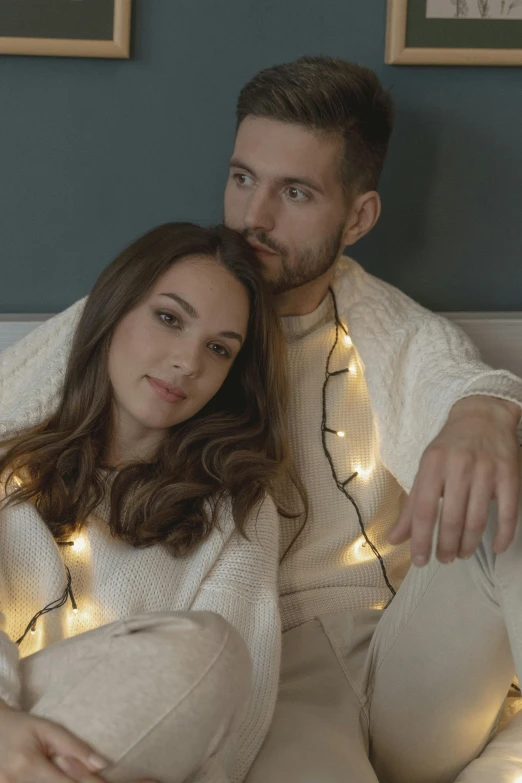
x=57, y=329
x=359, y=292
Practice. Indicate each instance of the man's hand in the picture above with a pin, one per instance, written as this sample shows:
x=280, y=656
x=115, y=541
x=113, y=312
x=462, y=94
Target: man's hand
x=474, y=459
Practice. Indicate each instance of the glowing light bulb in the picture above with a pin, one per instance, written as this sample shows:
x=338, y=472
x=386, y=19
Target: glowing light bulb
x=358, y=552
x=347, y=340
x=359, y=547
x=79, y=544
x=363, y=472
x=75, y=610
x=341, y=434
x=353, y=369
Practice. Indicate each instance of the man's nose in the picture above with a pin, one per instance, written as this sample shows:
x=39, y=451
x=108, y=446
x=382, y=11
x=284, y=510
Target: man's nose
x=260, y=212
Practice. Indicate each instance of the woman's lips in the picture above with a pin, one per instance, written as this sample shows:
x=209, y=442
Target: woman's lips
x=165, y=392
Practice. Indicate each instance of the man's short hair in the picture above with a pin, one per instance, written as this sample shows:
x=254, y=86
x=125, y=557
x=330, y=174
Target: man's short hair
x=331, y=96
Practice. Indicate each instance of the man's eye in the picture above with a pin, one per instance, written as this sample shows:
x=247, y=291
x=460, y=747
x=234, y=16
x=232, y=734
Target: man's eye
x=219, y=349
x=295, y=194
x=243, y=179
x=168, y=319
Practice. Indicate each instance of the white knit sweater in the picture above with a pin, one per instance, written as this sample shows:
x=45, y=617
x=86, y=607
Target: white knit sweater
x=112, y=580
x=411, y=367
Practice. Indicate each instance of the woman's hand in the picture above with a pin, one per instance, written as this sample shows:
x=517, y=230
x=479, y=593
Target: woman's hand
x=34, y=750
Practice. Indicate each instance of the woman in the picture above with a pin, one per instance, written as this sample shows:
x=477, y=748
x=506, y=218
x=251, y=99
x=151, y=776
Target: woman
x=142, y=499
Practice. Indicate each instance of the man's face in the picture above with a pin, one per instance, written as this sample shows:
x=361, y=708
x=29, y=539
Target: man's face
x=284, y=194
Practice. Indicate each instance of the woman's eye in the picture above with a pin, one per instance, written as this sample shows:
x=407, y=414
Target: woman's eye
x=295, y=194
x=219, y=349
x=168, y=319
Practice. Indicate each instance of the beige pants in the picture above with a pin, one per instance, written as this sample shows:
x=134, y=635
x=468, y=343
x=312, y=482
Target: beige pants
x=410, y=695
x=156, y=695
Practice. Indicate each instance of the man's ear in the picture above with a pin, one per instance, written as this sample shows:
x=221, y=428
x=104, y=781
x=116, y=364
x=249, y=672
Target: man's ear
x=363, y=215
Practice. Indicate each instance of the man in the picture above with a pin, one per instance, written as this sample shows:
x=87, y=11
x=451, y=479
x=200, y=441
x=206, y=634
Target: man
x=379, y=386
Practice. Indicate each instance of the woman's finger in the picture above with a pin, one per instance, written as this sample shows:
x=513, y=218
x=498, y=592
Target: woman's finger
x=59, y=742
x=39, y=770
x=75, y=770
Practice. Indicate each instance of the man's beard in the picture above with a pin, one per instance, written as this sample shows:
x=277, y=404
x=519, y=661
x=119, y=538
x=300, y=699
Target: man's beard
x=308, y=265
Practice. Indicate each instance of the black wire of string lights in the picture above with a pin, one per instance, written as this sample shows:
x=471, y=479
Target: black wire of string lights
x=342, y=485
x=56, y=604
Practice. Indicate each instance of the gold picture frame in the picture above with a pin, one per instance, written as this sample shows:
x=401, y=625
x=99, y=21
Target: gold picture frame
x=400, y=51
x=116, y=47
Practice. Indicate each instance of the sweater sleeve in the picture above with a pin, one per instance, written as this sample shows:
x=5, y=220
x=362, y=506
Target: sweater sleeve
x=10, y=683
x=32, y=372
x=417, y=365
x=242, y=588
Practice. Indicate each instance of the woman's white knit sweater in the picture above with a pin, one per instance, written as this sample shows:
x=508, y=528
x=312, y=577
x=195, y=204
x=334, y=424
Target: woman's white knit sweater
x=112, y=580
x=410, y=365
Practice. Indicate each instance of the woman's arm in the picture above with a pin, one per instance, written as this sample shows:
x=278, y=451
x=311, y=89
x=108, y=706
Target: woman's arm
x=242, y=587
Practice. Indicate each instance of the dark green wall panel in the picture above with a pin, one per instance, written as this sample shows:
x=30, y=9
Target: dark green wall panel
x=93, y=152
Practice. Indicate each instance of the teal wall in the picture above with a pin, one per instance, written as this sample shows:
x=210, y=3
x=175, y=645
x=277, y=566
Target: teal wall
x=94, y=152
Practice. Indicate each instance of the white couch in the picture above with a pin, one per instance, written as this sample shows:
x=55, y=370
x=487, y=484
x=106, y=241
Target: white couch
x=498, y=335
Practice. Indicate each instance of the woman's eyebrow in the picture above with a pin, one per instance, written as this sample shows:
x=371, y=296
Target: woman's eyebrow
x=184, y=304
x=233, y=336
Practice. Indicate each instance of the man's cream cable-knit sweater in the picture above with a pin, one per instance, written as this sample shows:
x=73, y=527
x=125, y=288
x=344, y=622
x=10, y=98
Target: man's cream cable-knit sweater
x=112, y=580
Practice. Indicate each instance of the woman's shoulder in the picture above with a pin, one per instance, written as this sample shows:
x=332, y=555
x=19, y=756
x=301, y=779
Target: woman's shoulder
x=263, y=517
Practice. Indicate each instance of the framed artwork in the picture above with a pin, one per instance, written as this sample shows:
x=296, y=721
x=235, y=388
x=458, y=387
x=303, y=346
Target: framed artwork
x=65, y=28
x=454, y=32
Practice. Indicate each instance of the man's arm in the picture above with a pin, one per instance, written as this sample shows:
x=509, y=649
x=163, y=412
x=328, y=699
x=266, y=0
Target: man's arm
x=474, y=459
x=32, y=372
x=437, y=406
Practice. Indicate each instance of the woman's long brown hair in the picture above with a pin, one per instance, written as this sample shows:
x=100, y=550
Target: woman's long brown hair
x=236, y=446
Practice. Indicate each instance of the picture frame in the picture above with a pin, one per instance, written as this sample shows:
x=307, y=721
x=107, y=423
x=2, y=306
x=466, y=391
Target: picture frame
x=65, y=28
x=454, y=32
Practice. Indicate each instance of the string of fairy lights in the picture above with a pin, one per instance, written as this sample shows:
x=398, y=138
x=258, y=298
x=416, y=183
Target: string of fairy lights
x=342, y=485
x=56, y=604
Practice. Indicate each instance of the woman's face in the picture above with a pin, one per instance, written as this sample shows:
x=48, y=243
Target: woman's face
x=170, y=355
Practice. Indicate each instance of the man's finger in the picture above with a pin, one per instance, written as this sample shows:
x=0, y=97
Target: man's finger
x=453, y=514
x=507, y=494
x=477, y=512
x=424, y=513
x=401, y=532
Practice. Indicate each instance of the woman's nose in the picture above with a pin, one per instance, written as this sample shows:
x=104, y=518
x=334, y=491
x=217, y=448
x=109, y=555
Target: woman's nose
x=188, y=360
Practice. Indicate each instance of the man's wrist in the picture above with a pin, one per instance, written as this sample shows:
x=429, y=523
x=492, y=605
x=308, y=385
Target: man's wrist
x=478, y=404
